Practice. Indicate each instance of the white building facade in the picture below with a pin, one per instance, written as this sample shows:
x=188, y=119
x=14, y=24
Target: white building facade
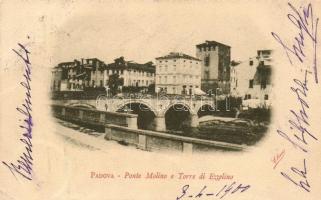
x=251, y=80
x=133, y=74
x=178, y=73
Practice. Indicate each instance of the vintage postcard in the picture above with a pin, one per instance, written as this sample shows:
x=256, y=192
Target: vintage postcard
x=160, y=100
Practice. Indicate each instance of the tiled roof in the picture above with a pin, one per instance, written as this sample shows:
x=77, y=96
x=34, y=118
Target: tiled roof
x=132, y=65
x=178, y=55
x=209, y=43
x=119, y=63
x=64, y=63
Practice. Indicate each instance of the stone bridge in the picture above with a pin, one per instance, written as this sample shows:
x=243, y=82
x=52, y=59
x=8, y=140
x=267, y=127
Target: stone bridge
x=154, y=113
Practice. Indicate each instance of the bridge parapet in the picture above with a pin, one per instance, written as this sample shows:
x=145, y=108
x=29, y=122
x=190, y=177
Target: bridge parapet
x=94, y=117
x=159, y=105
x=157, y=141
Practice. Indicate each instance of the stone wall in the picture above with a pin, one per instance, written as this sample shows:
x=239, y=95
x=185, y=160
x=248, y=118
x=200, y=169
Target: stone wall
x=94, y=117
x=157, y=141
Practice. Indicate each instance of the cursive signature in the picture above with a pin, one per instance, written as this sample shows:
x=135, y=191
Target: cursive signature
x=307, y=26
x=23, y=167
x=300, y=134
x=304, y=184
x=277, y=158
x=300, y=124
x=300, y=129
x=219, y=194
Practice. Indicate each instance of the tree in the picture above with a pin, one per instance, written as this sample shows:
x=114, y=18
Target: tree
x=258, y=115
x=114, y=82
x=151, y=88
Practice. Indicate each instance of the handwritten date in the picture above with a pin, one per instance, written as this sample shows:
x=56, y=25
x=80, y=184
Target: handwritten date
x=220, y=194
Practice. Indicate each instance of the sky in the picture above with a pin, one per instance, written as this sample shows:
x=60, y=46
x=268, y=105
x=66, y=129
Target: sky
x=144, y=31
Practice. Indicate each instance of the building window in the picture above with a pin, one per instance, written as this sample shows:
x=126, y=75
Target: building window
x=251, y=83
x=165, y=79
x=251, y=62
x=174, y=60
x=174, y=79
x=174, y=90
x=266, y=97
x=207, y=75
x=207, y=61
x=93, y=83
x=247, y=96
x=101, y=83
x=263, y=84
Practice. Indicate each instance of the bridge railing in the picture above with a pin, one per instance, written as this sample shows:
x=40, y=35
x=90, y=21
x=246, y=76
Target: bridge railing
x=158, y=141
x=92, y=95
x=94, y=117
x=161, y=96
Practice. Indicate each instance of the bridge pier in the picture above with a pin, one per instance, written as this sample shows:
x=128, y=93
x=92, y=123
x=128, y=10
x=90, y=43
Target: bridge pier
x=160, y=124
x=194, y=122
x=63, y=111
x=132, y=122
x=102, y=117
x=81, y=114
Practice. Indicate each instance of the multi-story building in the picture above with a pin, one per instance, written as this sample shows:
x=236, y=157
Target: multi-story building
x=178, y=73
x=215, y=61
x=76, y=75
x=251, y=79
x=133, y=74
x=98, y=76
x=94, y=73
x=59, y=79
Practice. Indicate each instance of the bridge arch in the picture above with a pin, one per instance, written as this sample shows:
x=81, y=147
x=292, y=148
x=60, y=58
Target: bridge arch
x=82, y=105
x=145, y=113
x=178, y=106
x=178, y=116
x=205, y=109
